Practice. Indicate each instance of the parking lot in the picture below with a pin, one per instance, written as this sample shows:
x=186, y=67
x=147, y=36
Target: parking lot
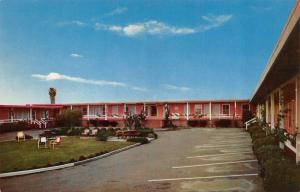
x=189, y=160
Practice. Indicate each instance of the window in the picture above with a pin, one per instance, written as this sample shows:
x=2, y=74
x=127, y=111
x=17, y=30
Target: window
x=43, y=115
x=185, y=111
x=225, y=109
x=198, y=109
x=115, y=110
x=216, y=109
x=132, y=109
x=206, y=109
x=153, y=110
x=19, y=115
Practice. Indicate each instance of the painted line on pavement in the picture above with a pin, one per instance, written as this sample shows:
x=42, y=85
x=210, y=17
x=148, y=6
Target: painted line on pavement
x=210, y=164
x=217, y=146
x=208, y=177
x=216, y=155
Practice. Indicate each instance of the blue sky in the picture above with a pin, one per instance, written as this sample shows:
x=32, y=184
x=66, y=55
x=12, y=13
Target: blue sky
x=94, y=50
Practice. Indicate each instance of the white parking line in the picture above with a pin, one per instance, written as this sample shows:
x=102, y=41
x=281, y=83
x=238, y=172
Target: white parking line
x=209, y=164
x=209, y=177
x=216, y=155
x=212, y=146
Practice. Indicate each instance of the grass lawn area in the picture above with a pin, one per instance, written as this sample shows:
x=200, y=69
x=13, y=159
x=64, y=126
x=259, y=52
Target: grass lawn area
x=24, y=155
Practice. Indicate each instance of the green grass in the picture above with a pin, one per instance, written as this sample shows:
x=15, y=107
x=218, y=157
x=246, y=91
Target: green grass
x=24, y=155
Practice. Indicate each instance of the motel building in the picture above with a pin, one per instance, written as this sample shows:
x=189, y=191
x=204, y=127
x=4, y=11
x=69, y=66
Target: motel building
x=202, y=113
x=278, y=91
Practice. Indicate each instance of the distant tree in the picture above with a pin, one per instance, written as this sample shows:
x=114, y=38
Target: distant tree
x=52, y=94
x=70, y=118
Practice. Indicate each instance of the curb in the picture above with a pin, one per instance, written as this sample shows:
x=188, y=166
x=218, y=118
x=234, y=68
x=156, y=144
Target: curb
x=40, y=170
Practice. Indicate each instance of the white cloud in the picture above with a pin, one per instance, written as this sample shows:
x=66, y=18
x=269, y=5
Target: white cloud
x=76, y=55
x=154, y=27
x=214, y=21
x=176, y=88
x=56, y=76
x=74, y=22
x=150, y=27
x=117, y=11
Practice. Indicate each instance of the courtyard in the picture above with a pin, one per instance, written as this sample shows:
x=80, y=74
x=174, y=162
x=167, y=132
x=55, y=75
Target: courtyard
x=198, y=159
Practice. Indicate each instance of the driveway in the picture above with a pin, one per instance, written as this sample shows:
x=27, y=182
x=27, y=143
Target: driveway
x=189, y=160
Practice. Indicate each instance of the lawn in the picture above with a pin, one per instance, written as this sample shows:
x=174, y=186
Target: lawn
x=24, y=155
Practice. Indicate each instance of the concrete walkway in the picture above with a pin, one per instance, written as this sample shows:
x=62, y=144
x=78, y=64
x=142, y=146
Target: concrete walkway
x=186, y=160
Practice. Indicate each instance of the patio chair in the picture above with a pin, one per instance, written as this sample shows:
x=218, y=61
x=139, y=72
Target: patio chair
x=20, y=135
x=94, y=132
x=85, y=132
x=57, y=141
x=42, y=141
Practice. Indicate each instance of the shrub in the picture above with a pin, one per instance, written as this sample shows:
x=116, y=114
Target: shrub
x=81, y=158
x=258, y=134
x=102, y=135
x=16, y=126
x=263, y=153
x=197, y=123
x=110, y=132
x=26, y=137
x=153, y=135
x=254, y=128
x=145, y=132
x=69, y=118
x=61, y=131
x=74, y=131
x=223, y=123
x=259, y=142
x=141, y=140
x=113, y=123
x=278, y=177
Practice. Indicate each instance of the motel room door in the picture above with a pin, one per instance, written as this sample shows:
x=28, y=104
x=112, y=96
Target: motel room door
x=289, y=107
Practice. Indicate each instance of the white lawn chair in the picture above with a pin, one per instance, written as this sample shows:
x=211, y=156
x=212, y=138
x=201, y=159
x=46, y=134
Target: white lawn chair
x=94, y=132
x=42, y=141
x=20, y=135
x=85, y=132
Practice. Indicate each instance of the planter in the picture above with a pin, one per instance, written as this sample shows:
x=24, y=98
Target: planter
x=281, y=145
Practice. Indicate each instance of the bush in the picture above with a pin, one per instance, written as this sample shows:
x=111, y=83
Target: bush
x=74, y=131
x=26, y=137
x=69, y=118
x=145, y=132
x=263, y=153
x=16, y=126
x=110, y=132
x=223, y=123
x=153, y=135
x=254, y=128
x=102, y=135
x=197, y=123
x=141, y=140
x=113, y=123
x=61, y=131
x=258, y=134
x=259, y=142
x=278, y=177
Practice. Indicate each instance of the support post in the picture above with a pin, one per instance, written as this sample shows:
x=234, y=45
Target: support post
x=272, y=112
x=267, y=110
x=30, y=114
x=88, y=112
x=187, y=111
x=210, y=111
x=105, y=111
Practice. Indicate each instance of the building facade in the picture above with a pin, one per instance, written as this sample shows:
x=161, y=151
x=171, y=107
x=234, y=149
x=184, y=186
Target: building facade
x=277, y=96
x=180, y=112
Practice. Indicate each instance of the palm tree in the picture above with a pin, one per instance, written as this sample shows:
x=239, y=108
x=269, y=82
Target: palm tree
x=52, y=94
